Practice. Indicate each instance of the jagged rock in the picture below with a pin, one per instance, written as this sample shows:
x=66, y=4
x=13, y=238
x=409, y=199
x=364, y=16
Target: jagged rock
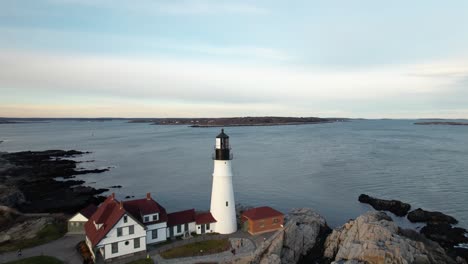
x=25, y=230
x=304, y=231
x=271, y=259
x=375, y=238
x=8, y=217
x=446, y=235
x=397, y=207
x=348, y=262
x=420, y=215
x=11, y=196
x=302, y=234
x=30, y=180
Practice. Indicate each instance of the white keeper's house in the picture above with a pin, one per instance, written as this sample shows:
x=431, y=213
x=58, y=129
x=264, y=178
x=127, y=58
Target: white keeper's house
x=124, y=228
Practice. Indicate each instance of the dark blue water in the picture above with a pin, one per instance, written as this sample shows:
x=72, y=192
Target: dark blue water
x=323, y=166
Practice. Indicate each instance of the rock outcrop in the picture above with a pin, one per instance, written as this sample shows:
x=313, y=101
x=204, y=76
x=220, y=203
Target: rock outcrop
x=303, y=235
x=11, y=196
x=446, y=235
x=375, y=238
x=420, y=215
x=28, y=182
x=397, y=207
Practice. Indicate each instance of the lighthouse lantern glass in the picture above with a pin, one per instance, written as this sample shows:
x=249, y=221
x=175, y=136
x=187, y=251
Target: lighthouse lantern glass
x=218, y=143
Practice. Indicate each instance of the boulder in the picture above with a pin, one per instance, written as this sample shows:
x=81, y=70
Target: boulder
x=303, y=234
x=11, y=196
x=375, y=238
x=446, y=235
x=420, y=215
x=397, y=207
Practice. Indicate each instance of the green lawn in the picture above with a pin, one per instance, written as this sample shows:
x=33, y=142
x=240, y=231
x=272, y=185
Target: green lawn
x=197, y=249
x=37, y=260
x=48, y=233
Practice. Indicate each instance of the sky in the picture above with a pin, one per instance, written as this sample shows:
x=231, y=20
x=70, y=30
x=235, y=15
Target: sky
x=216, y=58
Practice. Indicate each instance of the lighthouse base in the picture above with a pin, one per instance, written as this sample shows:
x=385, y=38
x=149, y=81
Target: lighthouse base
x=223, y=206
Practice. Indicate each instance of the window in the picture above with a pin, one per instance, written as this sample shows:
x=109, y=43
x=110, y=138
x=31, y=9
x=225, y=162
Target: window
x=179, y=228
x=115, y=248
x=155, y=217
x=131, y=230
x=208, y=226
x=275, y=220
x=119, y=231
x=125, y=219
x=226, y=203
x=146, y=219
x=186, y=227
x=136, y=243
x=127, y=242
x=154, y=234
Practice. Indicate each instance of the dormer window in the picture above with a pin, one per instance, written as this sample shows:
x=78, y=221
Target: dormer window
x=146, y=219
x=155, y=217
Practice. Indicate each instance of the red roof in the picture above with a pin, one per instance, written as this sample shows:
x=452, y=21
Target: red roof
x=88, y=211
x=204, y=218
x=140, y=207
x=110, y=212
x=107, y=214
x=180, y=218
x=261, y=213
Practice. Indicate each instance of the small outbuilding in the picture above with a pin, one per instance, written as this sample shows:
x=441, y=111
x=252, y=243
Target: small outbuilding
x=77, y=222
x=261, y=220
x=205, y=223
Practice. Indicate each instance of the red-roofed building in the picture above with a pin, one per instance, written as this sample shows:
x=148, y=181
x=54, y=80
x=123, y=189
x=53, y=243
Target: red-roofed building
x=181, y=222
x=123, y=229
x=205, y=223
x=113, y=232
x=262, y=219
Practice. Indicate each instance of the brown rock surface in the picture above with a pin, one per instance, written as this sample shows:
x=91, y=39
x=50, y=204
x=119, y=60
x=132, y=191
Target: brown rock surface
x=375, y=238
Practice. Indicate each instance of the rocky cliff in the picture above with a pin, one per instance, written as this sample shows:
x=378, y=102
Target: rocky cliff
x=302, y=236
x=375, y=238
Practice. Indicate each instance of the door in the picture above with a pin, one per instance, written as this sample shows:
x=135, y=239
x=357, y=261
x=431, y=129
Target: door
x=171, y=232
x=203, y=229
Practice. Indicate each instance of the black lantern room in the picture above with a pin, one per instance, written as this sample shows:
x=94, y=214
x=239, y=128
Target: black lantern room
x=222, y=148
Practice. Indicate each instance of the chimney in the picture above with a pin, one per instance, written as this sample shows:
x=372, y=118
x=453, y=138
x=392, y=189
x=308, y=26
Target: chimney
x=121, y=204
x=148, y=196
x=113, y=196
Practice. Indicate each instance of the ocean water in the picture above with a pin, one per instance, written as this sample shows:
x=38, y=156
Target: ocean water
x=323, y=166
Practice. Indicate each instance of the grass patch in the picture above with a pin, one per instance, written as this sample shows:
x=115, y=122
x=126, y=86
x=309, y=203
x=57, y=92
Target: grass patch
x=198, y=249
x=48, y=233
x=37, y=260
x=142, y=261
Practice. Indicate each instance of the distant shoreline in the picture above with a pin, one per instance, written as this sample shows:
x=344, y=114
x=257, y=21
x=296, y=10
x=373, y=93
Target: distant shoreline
x=442, y=123
x=239, y=121
x=277, y=124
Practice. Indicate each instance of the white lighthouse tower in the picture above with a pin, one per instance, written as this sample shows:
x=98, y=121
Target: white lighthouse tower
x=223, y=206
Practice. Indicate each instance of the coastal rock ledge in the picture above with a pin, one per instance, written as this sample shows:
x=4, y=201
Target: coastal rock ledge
x=374, y=238
x=301, y=239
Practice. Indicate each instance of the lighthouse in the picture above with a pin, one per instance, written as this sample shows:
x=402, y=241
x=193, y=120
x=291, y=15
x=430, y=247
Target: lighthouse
x=223, y=206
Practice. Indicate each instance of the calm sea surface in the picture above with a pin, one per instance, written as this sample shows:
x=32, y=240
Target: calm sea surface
x=324, y=166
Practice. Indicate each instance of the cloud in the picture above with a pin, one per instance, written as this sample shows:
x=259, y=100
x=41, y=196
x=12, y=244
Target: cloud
x=194, y=80
x=194, y=87
x=55, y=39
x=174, y=7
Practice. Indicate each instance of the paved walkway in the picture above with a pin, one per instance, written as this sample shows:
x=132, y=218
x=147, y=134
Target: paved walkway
x=62, y=248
